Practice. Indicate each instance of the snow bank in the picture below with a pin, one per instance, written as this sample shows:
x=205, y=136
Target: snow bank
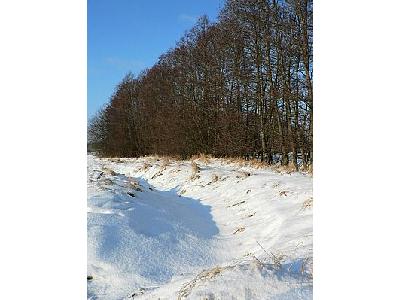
x=159, y=229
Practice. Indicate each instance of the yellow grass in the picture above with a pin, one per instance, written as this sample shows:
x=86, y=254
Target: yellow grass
x=238, y=161
x=215, y=178
x=203, y=158
x=195, y=167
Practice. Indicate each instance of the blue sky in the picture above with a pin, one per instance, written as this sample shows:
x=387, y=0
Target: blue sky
x=130, y=35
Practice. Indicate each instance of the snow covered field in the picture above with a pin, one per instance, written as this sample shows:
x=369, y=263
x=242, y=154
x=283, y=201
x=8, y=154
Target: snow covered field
x=161, y=229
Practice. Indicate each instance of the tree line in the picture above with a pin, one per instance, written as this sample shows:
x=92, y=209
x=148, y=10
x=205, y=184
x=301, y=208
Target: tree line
x=241, y=86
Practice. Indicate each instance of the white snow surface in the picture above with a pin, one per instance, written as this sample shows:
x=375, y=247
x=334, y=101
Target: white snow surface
x=159, y=230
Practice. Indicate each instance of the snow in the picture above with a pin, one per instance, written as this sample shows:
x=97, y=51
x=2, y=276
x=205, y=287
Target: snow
x=158, y=229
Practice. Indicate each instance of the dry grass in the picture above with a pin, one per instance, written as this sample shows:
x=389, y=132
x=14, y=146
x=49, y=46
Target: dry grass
x=238, y=161
x=195, y=171
x=277, y=259
x=203, y=158
x=243, y=174
x=258, y=164
x=205, y=275
x=238, y=203
x=215, y=178
x=175, y=171
x=165, y=162
x=307, y=169
x=240, y=229
x=251, y=215
x=115, y=160
x=161, y=157
x=283, y=193
x=209, y=274
x=108, y=171
x=145, y=166
x=160, y=172
x=289, y=169
x=195, y=167
x=135, y=185
x=253, y=163
x=107, y=181
x=307, y=204
x=194, y=177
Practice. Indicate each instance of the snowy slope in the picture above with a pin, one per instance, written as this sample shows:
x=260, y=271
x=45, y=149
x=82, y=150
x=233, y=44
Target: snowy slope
x=160, y=229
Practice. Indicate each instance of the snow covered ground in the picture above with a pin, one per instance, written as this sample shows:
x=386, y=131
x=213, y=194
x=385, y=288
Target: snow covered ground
x=163, y=229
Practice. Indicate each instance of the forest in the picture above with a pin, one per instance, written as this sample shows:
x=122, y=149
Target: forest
x=241, y=86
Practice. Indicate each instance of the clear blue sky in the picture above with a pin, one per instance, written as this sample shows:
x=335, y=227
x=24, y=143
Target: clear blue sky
x=130, y=35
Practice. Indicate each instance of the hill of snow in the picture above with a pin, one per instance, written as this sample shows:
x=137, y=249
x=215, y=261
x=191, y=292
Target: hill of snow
x=165, y=229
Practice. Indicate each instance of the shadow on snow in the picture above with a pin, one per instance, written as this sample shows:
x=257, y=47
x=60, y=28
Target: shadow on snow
x=155, y=234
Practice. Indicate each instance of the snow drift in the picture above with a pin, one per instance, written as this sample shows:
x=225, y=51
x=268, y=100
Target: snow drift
x=161, y=229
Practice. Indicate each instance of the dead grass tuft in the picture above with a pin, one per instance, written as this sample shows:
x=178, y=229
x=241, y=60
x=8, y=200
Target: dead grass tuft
x=195, y=167
x=277, y=259
x=160, y=172
x=194, y=177
x=251, y=215
x=165, y=162
x=238, y=161
x=203, y=276
x=240, y=229
x=283, y=193
x=145, y=166
x=108, y=171
x=107, y=181
x=135, y=185
x=203, y=158
x=238, y=203
x=243, y=174
x=307, y=169
x=307, y=204
x=195, y=171
x=215, y=178
x=253, y=163
x=257, y=164
x=116, y=160
x=289, y=169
